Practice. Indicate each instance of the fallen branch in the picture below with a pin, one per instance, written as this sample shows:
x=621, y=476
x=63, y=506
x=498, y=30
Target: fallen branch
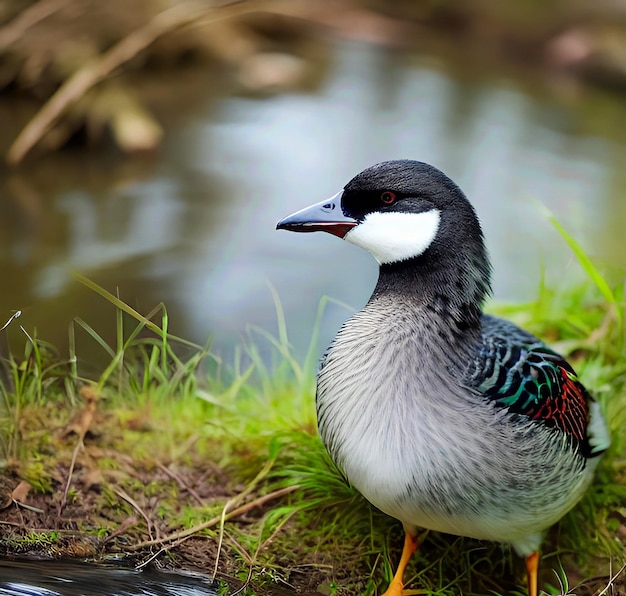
x=94, y=71
x=27, y=19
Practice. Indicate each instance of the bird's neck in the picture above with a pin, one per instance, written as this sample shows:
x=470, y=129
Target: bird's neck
x=450, y=297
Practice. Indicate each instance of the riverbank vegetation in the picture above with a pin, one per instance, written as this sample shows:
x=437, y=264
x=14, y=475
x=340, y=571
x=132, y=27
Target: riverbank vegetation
x=171, y=457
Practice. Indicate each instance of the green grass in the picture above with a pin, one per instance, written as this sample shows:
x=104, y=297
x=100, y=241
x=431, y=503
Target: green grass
x=164, y=399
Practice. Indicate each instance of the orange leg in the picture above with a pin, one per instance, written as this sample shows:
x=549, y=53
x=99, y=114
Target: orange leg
x=396, y=585
x=532, y=565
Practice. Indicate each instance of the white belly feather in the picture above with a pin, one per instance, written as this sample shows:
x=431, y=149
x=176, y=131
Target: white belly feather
x=433, y=454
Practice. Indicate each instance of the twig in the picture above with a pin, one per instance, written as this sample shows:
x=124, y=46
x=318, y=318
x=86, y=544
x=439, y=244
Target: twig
x=10, y=523
x=96, y=70
x=28, y=507
x=235, y=501
x=123, y=495
x=63, y=503
x=80, y=424
x=249, y=561
x=181, y=483
x=279, y=527
x=129, y=522
x=260, y=545
x=155, y=555
x=612, y=579
x=28, y=18
x=161, y=550
x=217, y=519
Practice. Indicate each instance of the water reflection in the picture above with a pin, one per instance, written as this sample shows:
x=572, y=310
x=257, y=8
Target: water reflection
x=67, y=578
x=197, y=230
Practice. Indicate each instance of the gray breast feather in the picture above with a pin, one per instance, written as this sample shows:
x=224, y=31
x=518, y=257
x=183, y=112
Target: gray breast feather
x=430, y=452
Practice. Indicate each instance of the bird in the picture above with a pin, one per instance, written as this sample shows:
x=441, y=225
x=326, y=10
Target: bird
x=442, y=416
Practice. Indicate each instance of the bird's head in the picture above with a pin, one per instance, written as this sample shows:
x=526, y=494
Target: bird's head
x=399, y=211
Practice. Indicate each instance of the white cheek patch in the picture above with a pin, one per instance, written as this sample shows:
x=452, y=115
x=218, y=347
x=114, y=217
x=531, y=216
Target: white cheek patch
x=394, y=236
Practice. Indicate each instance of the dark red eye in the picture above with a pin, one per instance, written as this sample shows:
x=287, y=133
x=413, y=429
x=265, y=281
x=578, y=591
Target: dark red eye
x=388, y=197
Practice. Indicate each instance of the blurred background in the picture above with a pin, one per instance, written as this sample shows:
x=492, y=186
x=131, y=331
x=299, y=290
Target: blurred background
x=152, y=146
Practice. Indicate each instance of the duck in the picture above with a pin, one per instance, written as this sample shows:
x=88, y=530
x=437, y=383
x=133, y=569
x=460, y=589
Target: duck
x=442, y=416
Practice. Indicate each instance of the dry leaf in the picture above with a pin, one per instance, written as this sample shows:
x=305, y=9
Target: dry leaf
x=20, y=492
x=129, y=522
x=18, y=496
x=81, y=423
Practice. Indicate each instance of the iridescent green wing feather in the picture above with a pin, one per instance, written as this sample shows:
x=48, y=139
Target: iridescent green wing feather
x=520, y=373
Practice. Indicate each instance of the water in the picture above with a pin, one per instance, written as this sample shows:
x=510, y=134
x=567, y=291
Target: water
x=194, y=226
x=65, y=578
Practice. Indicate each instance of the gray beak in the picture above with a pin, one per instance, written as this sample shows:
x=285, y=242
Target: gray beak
x=326, y=216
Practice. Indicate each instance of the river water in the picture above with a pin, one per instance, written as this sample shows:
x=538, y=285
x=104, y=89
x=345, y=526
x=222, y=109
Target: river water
x=193, y=226
x=67, y=578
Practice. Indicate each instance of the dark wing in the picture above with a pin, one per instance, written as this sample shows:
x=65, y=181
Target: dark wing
x=520, y=373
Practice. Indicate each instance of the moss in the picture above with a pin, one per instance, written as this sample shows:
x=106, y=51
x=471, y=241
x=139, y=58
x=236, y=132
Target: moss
x=37, y=473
